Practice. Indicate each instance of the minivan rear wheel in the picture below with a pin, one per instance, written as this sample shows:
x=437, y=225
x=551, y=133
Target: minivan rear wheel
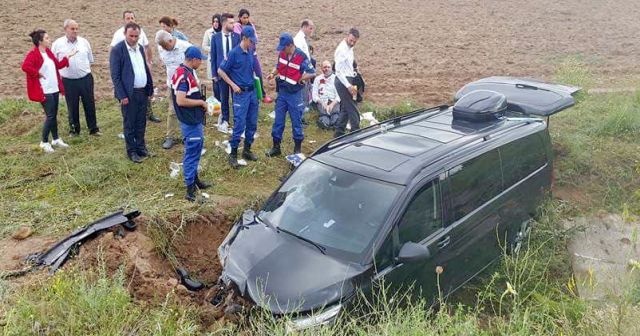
x=521, y=237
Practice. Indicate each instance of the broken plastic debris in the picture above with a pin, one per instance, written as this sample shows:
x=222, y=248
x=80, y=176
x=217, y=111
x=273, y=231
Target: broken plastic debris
x=205, y=195
x=369, y=117
x=175, y=169
x=241, y=162
x=224, y=145
x=168, y=195
x=295, y=159
x=204, y=150
x=312, y=141
x=272, y=114
x=121, y=135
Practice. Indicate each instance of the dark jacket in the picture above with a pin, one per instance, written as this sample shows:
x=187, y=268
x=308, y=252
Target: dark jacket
x=31, y=66
x=122, y=72
x=216, y=55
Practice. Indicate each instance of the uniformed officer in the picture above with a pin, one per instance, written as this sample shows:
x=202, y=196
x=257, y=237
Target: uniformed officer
x=190, y=109
x=238, y=71
x=292, y=69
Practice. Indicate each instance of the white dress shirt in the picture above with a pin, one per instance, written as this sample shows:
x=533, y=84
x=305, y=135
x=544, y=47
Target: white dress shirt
x=173, y=58
x=49, y=78
x=226, y=38
x=324, y=89
x=80, y=63
x=344, y=58
x=118, y=36
x=137, y=62
x=300, y=40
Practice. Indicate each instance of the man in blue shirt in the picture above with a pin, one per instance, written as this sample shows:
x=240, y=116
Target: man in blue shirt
x=292, y=70
x=190, y=109
x=238, y=71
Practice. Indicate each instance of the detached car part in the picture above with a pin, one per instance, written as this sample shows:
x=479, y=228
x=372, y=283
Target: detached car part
x=59, y=253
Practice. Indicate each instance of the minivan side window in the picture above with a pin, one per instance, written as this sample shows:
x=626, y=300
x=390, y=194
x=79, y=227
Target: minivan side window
x=521, y=158
x=473, y=183
x=422, y=216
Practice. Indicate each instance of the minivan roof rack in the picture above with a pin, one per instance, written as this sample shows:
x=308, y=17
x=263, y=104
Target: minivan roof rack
x=374, y=129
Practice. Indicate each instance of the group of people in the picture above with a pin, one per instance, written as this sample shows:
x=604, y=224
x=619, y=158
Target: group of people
x=233, y=67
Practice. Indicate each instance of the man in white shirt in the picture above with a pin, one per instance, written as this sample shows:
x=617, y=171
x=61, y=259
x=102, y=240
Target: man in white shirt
x=77, y=78
x=171, y=51
x=118, y=36
x=300, y=40
x=347, y=92
x=324, y=91
x=132, y=85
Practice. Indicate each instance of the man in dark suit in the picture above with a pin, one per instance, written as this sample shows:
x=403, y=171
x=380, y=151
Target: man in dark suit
x=221, y=44
x=133, y=85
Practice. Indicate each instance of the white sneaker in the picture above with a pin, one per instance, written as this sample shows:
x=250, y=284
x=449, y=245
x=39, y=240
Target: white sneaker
x=58, y=142
x=46, y=147
x=223, y=127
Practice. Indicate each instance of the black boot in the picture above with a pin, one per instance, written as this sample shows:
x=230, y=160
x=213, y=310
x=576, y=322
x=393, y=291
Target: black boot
x=297, y=146
x=233, y=158
x=247, y=154
x=275, y=150
x=191, y=193
x=201, y=184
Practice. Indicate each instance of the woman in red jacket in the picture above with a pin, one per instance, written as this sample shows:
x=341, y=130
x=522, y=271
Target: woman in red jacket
x=44, y=84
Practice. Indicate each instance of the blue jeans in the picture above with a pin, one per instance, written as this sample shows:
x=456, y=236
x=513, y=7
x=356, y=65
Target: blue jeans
x=293, y=103
x=245, y=118
x=193, y=137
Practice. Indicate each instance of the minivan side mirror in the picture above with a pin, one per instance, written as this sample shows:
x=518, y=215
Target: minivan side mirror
x=411, y=251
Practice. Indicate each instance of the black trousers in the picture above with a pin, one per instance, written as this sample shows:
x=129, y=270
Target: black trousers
x=348, y=111
x=225, y=99
x=134, y=119
x=50, y=106
x=76, y=90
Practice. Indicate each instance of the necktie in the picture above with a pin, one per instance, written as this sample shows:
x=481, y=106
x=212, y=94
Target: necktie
x=227, y=42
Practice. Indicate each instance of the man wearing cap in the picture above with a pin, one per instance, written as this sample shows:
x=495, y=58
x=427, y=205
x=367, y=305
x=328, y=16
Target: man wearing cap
x=190, y=109
x=292, y=69
x=171, y=51
x=238, y=71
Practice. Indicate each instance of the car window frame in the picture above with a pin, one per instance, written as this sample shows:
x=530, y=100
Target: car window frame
x=394, y=232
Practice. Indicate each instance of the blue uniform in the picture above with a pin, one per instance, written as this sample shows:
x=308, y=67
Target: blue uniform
x=239, y=66
x=290, y=94
x=191, y=120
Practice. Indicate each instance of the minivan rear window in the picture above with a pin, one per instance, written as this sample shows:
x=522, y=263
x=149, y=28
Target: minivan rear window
x=521, y=158
x=473, y=183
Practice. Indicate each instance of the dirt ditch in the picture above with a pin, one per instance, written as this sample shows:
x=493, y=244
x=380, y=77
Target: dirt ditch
x=149, y=274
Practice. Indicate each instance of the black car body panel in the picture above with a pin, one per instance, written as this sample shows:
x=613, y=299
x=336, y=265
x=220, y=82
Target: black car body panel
x=528, y=96
x=284, y=274
x=462, y=190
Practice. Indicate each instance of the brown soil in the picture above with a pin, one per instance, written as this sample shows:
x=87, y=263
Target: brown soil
x=409, y=49
x=150, y=276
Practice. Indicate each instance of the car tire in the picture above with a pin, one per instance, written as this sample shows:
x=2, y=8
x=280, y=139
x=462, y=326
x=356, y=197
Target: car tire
x=520, y=237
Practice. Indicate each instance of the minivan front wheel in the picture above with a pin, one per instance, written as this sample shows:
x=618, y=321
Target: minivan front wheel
x=521, y=237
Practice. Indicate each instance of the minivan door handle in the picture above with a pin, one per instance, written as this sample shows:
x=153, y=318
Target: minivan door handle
x=443, y=242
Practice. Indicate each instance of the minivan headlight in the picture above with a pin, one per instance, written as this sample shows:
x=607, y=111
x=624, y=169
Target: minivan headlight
x=326, y=316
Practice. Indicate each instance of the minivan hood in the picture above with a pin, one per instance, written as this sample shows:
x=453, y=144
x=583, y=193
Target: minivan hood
x=284, y=274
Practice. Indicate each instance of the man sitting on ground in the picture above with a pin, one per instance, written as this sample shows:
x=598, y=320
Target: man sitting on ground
x=325, y=98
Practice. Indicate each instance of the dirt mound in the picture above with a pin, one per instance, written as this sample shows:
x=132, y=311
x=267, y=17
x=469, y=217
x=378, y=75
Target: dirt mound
x=150, y=275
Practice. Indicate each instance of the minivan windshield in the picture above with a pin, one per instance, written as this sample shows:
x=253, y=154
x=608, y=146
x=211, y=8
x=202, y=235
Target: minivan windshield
x=341, y=211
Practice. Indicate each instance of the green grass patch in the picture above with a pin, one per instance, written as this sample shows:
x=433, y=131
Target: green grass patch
x=79, y=303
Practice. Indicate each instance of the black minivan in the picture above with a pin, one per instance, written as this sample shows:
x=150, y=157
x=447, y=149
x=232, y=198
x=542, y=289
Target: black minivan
x=445, y=186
